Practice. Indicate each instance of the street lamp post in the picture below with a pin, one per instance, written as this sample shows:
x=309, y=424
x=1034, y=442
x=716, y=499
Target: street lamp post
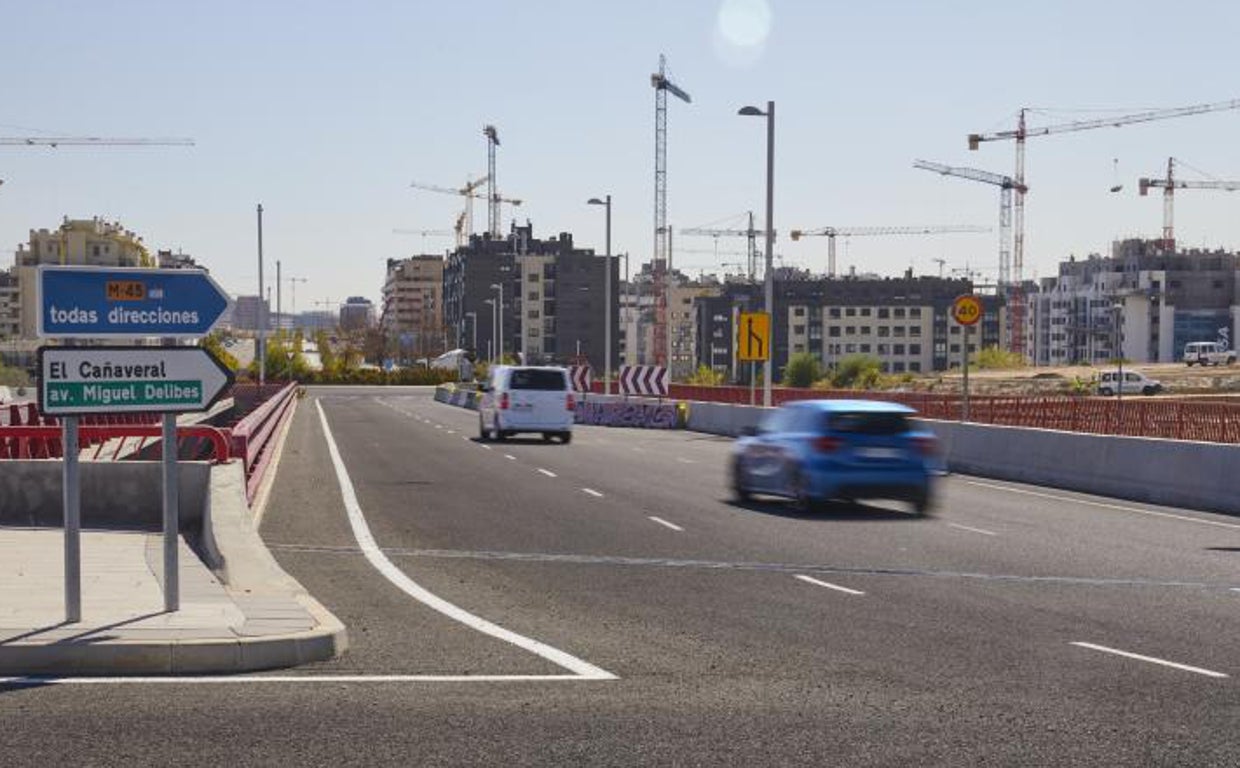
x=473, y=326
x=1118, y=309
x=499, y=341
x=491, y=346
x=769, y=297
x=606, y=298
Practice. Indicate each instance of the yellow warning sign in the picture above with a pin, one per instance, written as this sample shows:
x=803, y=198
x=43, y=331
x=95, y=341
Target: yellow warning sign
x=753, y=337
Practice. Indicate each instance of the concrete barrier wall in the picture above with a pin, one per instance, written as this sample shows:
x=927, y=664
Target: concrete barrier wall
x=126, y=495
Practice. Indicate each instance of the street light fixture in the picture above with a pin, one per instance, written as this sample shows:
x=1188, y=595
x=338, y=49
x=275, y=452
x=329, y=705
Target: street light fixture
x=606, y=298
x=769, y=292
x=499, y=338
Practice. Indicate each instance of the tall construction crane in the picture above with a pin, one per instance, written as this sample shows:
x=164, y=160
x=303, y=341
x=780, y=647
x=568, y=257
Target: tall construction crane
x=833, y=232
x=89, y=141
x=1005, y=184
x=425, y=233
x=749, y=233
x=662, y=234
x=1169, y=185
x=1023, y=132
x=470, y=193
x=492, y=137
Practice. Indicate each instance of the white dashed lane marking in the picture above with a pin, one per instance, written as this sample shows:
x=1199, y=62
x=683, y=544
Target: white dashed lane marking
x=546, y=472
x=593, y=492
x=982, y=531
x=1150, y=659
x=665, y=523
x=829, y=585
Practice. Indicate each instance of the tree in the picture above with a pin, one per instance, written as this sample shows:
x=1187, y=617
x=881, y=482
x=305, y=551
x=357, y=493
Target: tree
x=802, y=370
x=214, y=344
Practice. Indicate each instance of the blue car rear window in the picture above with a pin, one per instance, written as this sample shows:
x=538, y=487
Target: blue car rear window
x=868, y=423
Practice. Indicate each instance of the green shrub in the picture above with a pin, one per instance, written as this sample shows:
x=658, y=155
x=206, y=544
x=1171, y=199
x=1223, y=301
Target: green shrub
x=857, y=372
x=704, y=376
x=995, y=359
x=802, y=370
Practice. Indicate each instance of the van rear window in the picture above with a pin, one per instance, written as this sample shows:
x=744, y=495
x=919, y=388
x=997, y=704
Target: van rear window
x=535, y=379
x=869, y=423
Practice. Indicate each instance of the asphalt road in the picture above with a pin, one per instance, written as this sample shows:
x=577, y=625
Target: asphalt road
x=654, y=621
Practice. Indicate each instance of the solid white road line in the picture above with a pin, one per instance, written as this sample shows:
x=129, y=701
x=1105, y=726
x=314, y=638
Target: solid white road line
x=1150, y=659
x=546, y=472
x=829, y=585
x=975, y=530
x=1120, y=507
x=663, y=522
x=370, y=548
x=685, y=461
x=240, y=679
x=595, y=493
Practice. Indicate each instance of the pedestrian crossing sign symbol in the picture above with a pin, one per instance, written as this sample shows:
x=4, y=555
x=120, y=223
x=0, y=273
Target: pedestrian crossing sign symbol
x=753, y=337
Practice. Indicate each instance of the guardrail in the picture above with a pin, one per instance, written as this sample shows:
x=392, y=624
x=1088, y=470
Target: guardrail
x=252, y=436
x=43, y=441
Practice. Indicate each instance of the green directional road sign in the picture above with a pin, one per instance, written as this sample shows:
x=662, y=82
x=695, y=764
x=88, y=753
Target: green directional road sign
x=84, y=380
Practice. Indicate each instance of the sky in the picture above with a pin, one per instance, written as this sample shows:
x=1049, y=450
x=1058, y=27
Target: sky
x=326, y=112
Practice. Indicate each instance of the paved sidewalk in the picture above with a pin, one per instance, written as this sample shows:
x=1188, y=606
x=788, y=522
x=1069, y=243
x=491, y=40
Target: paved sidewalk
x=124, y=629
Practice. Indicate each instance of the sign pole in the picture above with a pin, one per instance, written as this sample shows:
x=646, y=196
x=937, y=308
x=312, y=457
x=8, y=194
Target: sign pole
x=172, y=586
x=965, y=357
x=72, y=491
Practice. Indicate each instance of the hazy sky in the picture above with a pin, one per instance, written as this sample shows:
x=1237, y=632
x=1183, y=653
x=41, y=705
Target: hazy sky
x=325, y=112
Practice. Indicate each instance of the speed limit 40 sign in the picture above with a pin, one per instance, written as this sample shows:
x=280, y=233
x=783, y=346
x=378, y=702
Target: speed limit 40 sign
x=967, y=309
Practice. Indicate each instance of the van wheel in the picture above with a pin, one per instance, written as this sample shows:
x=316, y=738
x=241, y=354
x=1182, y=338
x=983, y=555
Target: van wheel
x=922, y=504
x=497, y=434
x=566, y=437
x=482, y=430
x=1147, y=391
x=1106, y=392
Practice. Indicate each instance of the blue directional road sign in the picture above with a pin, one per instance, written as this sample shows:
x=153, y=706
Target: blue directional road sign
x=101, y=302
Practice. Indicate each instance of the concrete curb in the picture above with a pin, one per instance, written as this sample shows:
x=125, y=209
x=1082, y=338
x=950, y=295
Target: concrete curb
x=276, y=609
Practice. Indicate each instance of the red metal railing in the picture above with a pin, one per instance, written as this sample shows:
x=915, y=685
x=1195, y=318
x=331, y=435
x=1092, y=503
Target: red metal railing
x=24, y=434
x=44, y=441
x=252, y=436
x=1174, y=419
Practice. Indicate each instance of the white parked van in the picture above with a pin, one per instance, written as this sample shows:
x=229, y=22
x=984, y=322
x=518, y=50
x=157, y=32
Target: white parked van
x=1208, y=353
x=526, y=399
x=1134, y=383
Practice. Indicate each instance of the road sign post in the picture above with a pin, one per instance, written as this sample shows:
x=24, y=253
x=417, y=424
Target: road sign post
x=966, y=311
x=104, y=303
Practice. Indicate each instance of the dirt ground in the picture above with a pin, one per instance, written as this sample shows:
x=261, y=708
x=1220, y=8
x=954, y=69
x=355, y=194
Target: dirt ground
x=1178, y=380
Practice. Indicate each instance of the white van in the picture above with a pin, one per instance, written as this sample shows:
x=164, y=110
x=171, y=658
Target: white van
x=526, y=399
x=1208, y=353
x=1134, y=383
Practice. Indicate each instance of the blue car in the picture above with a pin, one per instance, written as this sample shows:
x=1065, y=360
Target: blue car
x=815, y=450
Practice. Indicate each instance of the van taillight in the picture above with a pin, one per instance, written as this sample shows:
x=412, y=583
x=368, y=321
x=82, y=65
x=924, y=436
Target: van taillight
x=571, y=402
x=503, y=401
x=826, y=444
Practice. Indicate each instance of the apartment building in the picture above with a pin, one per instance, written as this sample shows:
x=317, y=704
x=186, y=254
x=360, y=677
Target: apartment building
x=413, y=307
x=89, y=242
x=545, y=295
x=357, y=313
x=1142, y=303
x=10, y=305
x=904, y=322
